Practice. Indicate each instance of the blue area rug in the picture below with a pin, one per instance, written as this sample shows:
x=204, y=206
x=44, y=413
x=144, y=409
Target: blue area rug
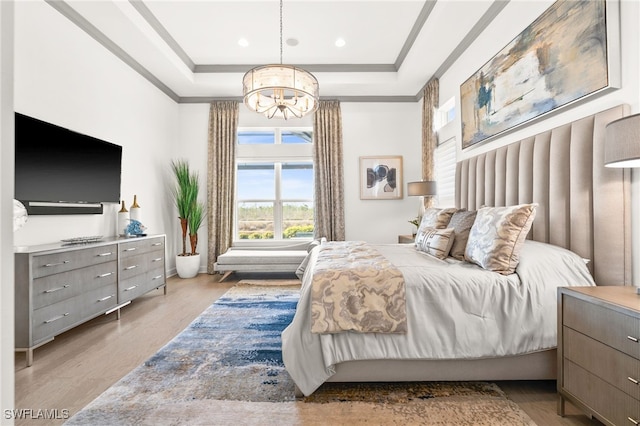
x=226, y=368
x=232, y=351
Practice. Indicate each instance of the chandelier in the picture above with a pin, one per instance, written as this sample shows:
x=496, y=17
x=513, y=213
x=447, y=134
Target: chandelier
x=280, y=91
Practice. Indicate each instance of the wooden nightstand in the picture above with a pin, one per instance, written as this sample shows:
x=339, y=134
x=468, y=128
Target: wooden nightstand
x=406, y=239
x=599, y=352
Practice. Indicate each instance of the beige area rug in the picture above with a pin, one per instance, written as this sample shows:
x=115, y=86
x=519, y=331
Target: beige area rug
x=226, y=368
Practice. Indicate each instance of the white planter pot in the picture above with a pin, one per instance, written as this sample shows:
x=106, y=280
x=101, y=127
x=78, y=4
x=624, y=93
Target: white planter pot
x=187, y=266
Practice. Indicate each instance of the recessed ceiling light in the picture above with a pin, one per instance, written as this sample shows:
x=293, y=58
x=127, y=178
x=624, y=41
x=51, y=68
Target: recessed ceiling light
x=340, y=42
x=292, y=42
x=243, y=42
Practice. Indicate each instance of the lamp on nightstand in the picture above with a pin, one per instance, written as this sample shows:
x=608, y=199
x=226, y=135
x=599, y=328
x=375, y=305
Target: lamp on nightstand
x=622, y=148
x=423, y=188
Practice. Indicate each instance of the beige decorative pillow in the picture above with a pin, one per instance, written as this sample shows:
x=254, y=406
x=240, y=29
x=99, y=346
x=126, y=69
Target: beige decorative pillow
x=461, y=222
x=434, y=218
x=437, y=242
x=497, y=235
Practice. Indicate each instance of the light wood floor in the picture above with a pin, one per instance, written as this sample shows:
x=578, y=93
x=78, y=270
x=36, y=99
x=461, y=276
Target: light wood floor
x=79, y=365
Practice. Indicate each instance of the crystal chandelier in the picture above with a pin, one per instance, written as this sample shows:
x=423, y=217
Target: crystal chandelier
x=280, y=91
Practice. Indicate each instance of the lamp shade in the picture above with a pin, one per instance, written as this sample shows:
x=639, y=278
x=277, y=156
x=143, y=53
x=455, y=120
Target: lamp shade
x=622, y=147
x=421, y=188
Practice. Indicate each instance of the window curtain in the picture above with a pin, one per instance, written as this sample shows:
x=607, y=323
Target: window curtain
x=430, y=100
x=223, y=128
x=329, y=177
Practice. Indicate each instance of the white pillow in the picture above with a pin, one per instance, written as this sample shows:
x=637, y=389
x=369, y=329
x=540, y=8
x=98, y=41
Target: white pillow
x=497, y=235
x=436, y=242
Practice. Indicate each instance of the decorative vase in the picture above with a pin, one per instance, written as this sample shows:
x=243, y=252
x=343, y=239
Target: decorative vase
x=134, y=210
x=123, y=220
x=188, y=266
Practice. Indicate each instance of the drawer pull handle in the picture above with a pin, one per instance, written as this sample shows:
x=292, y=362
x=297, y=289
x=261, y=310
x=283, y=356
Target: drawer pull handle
x=130, y=249
x=156, y=244
x=633, y=339
x=105, y=275
x=128, y=268
x=157, y=259
x=56, y=318
x=156, y=277
x=632, y=380
x=635, y=422
x=130, y=288
x=105, y=254
x=64, y=262
x=106, y=298
x=53, y=290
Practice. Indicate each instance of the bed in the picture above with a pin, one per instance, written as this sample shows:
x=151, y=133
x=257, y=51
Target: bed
x=469, y=323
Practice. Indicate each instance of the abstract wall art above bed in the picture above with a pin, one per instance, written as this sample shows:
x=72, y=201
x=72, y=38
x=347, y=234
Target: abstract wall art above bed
x=570, y=52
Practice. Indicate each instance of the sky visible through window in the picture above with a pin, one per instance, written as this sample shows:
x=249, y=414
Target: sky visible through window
x=297, y=181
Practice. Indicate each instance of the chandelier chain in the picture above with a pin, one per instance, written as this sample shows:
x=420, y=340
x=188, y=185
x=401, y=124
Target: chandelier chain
x=281, y=32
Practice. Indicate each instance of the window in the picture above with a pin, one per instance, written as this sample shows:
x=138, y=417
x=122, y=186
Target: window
x=445, y=114
x=445, y=165
x=274, y=184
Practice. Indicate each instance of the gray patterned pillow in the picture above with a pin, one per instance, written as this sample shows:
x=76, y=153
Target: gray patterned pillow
x=434, y=218
x=461, y=222
x=497, y=235
x=436, y=242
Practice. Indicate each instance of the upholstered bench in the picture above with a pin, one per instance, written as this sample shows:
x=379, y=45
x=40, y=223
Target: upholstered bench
x=247, y=260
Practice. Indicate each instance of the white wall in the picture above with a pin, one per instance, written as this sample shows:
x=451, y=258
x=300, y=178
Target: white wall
x=370, y=129
x=6, y=211
x=65, y=77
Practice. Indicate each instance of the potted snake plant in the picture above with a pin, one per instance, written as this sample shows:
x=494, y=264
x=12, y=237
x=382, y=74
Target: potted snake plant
x=191, y=215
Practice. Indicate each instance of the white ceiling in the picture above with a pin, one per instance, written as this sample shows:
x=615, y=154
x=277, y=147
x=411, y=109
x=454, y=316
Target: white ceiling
x=190, y=50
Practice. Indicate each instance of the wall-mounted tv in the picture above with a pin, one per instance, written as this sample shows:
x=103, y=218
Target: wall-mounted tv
x=59, y=171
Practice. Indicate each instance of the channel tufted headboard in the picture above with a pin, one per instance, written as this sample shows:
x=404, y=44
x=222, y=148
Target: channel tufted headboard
x=583, y=206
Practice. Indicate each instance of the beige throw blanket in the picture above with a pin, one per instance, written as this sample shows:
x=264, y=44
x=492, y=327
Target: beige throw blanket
x=355, y=288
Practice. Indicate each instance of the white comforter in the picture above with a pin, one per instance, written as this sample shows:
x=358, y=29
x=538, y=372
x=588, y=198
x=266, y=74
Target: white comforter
x=454, y=310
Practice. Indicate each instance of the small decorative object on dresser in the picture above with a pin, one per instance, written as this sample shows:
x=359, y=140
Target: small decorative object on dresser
x=599, y=352
x=123, y=220
x=134, y=211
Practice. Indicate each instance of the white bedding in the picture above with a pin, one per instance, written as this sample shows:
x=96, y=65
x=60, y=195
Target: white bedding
x=454, y=310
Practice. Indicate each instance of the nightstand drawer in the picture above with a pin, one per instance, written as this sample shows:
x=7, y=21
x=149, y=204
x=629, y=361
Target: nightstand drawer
x=614, y=367
x=610, y=327
x=605, y=400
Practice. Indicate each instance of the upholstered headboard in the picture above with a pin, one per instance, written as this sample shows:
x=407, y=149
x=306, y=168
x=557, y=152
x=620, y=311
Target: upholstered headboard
x=583, y=206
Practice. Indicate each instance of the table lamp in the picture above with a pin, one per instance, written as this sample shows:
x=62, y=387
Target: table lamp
x=623, y=145
x=423, y=188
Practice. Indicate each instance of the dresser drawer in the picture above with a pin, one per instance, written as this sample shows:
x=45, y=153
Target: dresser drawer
x=605, y=400
x=54, y=288
x=54, y=263
x=53, y=319
x=132, y=266
x=135, y=247
x=133, y=287
x=610, y=327
x=610, y=365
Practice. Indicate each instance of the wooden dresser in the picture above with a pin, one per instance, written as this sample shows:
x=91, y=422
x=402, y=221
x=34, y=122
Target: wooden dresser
x=599, y=352
x=58, y=286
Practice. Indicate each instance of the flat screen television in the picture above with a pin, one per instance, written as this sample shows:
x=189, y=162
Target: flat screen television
x=59, y=171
